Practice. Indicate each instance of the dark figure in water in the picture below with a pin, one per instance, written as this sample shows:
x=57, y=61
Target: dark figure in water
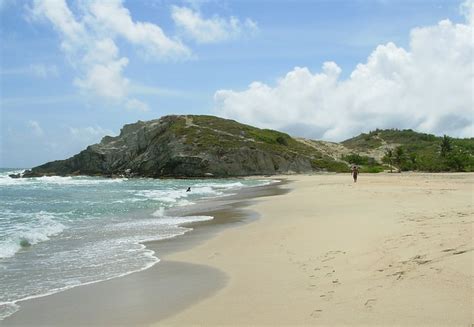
x=355, y=172
x=188, y=190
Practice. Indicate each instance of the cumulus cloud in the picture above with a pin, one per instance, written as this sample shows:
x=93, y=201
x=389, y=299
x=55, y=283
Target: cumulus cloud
x=88, y=38
x=112, y=17
x=427, y=87
x=211, y=30
x=467, y=10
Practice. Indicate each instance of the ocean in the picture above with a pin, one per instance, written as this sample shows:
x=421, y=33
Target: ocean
x=61, y=232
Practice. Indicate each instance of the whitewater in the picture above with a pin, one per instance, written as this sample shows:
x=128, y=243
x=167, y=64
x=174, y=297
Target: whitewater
x=61, y=232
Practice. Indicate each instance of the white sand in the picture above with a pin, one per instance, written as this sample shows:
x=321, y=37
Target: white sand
x=391, y=249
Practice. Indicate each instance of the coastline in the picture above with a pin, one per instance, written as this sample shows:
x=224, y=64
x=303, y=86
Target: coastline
x=143, y=297
x=392, y=249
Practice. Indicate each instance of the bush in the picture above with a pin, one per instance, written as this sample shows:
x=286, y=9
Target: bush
x=282, y=140
x=372, y=169
x=330, y=165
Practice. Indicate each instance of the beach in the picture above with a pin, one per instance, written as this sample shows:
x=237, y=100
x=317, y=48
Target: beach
x=391, y=249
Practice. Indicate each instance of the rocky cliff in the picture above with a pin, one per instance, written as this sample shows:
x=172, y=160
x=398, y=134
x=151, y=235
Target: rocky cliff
x=191, y=146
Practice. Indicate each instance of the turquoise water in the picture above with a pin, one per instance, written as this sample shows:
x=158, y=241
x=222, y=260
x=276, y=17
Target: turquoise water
x=61, y=232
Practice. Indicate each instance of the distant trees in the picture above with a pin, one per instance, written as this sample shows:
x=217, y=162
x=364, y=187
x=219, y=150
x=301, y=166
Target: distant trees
x=395, y=157
x=399, y=157
x=388, y=158
x=416, y=151
x=445, y=146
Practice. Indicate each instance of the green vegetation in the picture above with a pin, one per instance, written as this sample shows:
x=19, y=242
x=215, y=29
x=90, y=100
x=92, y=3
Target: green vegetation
x=409, y=150
x=367, y=164
x=403, y=149
x=212, y=134
x=329, y=164
x=388, y=158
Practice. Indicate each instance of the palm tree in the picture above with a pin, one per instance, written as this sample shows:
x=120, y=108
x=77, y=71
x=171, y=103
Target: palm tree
x=445, y=146
x=399, y=157
x=388, y=158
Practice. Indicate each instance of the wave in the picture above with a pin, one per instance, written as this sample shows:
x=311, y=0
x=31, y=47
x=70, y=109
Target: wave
x=233, y=185
x=173, y=196
x=40, y=229
x=167, y=196
x=77, y=180
x=10, y=307
x=6, y=180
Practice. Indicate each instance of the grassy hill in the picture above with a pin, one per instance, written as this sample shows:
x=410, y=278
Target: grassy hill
x=411, y=150
x=200, y=146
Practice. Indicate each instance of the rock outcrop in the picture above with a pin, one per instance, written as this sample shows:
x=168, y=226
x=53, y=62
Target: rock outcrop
x=190, y=146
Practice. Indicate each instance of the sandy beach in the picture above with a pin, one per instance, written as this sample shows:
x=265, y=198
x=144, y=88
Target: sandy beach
x=392, y=249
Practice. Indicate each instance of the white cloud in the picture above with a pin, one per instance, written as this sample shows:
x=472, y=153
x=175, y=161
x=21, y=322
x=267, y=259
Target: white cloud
x=110, y=16
x=467, y=10
x=211, y=30
x=35, y=128
x=428, y=87
x=88, y=38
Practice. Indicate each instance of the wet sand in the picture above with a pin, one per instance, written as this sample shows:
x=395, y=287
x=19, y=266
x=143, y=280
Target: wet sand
x=153, y=294
x=392, y=249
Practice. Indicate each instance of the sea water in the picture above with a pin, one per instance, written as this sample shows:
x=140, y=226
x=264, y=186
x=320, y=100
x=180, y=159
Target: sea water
x=61, y=232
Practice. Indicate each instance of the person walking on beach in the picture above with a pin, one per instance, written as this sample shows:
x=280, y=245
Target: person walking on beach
x=355, y=172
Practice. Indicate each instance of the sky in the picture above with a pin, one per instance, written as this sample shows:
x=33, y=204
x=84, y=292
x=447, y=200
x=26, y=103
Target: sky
x=74, y=71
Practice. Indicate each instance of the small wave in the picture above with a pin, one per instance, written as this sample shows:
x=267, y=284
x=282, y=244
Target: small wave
x=7, y=309
x=159, y=213
x=223, y=185
x=68, y=180
x=205, y=190
x=183, y=220
x=168, y=196
x=6, y=180
x=39, y=230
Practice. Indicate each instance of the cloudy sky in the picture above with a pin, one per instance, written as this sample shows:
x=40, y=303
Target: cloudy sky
x=74, y=71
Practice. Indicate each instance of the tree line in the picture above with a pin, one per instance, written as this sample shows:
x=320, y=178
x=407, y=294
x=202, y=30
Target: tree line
x=448, y=157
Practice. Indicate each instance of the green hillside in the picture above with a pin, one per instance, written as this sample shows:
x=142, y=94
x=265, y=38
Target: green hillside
x=207, y=146
x=410, y=150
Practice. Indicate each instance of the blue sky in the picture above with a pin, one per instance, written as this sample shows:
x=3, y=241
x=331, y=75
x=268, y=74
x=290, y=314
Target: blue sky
x=54, y=101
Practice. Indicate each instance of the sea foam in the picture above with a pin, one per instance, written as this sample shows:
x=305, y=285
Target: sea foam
x=62, y=232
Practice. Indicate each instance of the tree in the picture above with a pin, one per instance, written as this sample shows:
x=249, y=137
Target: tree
x=445, y=146
x=399, y=157
x=388, y=158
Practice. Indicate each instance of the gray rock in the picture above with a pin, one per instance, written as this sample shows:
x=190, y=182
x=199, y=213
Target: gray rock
x=186, y=146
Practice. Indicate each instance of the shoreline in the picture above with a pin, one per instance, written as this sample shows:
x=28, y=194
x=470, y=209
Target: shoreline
x=391, y=249
x=167, y=278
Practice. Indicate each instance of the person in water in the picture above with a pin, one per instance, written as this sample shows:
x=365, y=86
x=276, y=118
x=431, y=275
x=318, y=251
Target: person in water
x=189, y=189
x=355, y=172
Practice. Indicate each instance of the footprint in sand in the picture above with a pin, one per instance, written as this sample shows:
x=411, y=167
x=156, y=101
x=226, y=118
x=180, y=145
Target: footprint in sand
x=369, y=304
